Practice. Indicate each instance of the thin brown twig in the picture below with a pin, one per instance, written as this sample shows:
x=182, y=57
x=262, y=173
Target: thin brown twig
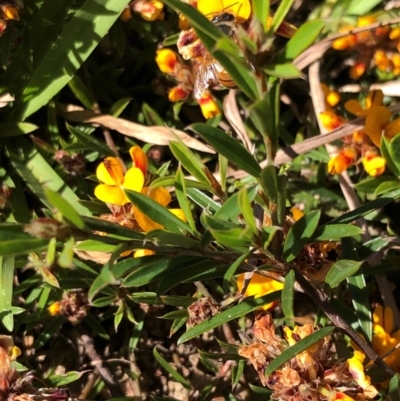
x=103, y=370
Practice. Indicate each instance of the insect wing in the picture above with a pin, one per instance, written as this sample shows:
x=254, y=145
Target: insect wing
x=205, y=76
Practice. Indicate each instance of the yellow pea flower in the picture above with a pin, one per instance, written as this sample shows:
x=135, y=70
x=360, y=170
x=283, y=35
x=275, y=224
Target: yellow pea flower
x=241, y=9
x=259, y=286
x=113, y=181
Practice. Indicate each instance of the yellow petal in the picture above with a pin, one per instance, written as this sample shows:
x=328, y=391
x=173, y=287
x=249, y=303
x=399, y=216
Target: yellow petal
x=110, y=194
x=392, y=129
x=353, y=107
x=133, y=180
x=259, y=286
x=374, y=98
x=166, y=60
x=178, y=213
x=376, y=122
x=143, y=252
x=374, y=166
x=240, y=9
x=160, y=195
x=110, y=171
x=145, y=223
x=11, y=12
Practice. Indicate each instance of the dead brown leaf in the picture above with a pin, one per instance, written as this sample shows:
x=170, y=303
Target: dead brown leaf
x=155, y=135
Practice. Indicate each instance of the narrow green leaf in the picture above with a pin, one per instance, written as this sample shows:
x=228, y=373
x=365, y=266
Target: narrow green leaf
x=104, y=279
x=65, y=208
x=341, y=270
x=394, y=386
x=284, y=71
x=356, y=7
x=296, y=349
x=167, y=238
x=233, y=237
x=334, y=232
x=394, y=149
x=154, y=267
x=247, y=306
x=90, y=142
x=232, y=270
x=38, y=173
x=180, y=191
x=176, y=325
x=228, y=147
x=48, y=331
x=16, y=129
x=18, y=247
x=303, y=38
x=189, y=161
x=358, y=289
x=261, y=12
x=299, y=234
x=367, y=208
x=66, y=258
x=274, y=187
x=82, y=92
x=246, y=210
x=288, y=295
x=204, y=201
x=112, y=228
x=92, y=21
x=230, y=209
x=176, y=376
x=283, y=9
x=7, y=265
x=386, y=152
x=157, y=212
x=63, y=380
x=196, y=271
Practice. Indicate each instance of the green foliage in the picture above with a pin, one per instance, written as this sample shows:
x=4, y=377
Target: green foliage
x=80, y=85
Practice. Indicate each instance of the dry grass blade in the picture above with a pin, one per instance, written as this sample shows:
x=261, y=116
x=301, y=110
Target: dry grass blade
x=155, y=135
x=289, y=153
x=232, y=114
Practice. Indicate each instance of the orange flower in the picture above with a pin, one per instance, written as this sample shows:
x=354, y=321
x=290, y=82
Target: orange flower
x=166, y=60
x=394, y=33
x=209, y=106
x=382, y=61
x=113, y=181
x=344, y=43
x=259, y=286
x=373, y=99
x=55, y=308
x=177, y=94
x=332, y=98
x=342, y=161
x=331, y=120
x=377, y=124
x=149, y=10
x=374, y=164
x=356, y=370
x=139, y=159
x=383, y=339
x=357, y=70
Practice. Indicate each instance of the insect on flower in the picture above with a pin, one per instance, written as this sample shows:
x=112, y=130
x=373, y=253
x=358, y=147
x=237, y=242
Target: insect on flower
x=209, y=70
x=226, y=18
